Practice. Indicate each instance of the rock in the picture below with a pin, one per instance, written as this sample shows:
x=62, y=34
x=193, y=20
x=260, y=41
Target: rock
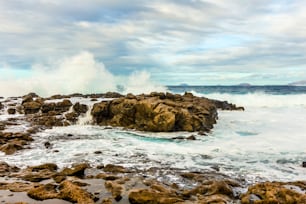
x=73, y=193
x=1, y=106
x=48, y=145
x=107, y=177
x=115, y=169
x=2, y=125
x=16, y=186
x=11, y=111
x=10, y=148
x=31, y=107
x=224, y=105
x=80, y=108
x=6, y=169
x=48, y=166
x=77, y=170
x=148, y=196
x=73, y=117
x=211, y=188
x=38, y=176
x=191, y=137
x=66, y=191
x=304, y=164
x=157, y=113
x=115, y=188
x=44, y=192
x=275, y=192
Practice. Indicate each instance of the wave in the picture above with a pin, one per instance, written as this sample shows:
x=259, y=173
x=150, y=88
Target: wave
x=258, y=99
x=80, y=73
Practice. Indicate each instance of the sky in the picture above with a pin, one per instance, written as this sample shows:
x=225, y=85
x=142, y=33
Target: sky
x=198, y=42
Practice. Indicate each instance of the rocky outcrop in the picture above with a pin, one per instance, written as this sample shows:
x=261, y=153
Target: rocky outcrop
x=157, y=112
x=275, y=192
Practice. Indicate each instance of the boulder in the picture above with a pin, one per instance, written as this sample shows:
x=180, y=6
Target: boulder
x=11, y=111
x=115, y=188
x=80, y=108
x=31, y=107
x=275, y=192
x=11, y=148
x=115, y=169
x=157, y=112
x=77, y=170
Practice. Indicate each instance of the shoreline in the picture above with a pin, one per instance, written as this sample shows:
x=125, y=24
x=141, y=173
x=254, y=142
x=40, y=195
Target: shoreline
x=17, y=130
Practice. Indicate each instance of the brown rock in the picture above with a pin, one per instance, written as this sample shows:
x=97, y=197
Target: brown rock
x=80, y=108
x=149, y=196
x=157, y=112
x=6, y=169
x=44, y=192
x=48, y=166
x=11, y=111
x=77, y=170
x=275, y=192
x=10, y=148
x=73, y=193
x=31, y=107
x=115, y=169
x=115, y=188
x=41, y=175
x=16, y=186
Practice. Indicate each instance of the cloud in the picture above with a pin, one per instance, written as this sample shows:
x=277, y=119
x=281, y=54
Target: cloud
x=198, y=36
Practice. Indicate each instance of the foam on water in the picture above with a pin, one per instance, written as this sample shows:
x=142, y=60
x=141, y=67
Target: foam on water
x=265, y=142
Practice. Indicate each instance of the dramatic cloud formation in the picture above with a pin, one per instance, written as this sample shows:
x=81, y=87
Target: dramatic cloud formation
x=192, y=41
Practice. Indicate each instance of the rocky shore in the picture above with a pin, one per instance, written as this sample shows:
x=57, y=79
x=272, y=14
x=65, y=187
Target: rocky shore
x=23, y=117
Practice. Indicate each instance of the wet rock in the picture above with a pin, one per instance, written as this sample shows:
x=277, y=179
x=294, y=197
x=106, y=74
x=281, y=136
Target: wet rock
x=31, y=107
x=10, y=148
x=44, y=192
x=211, y=188
x=73, y=117
x=148, y=196
x=191, y=137
x=151, y=113
x=48, y=145
x=73, y=193
x=115, y=169
x=2, y=126
x=80, y=108
x=115, y=188
x=107, y=177
x=1, y=106
x=275, y=192
x=224, y=105
x=38, y=176
x=16, y=186
x=11, y=111
x=48, y=166
x=77, y=170
x=6, y=169
x=304, y=164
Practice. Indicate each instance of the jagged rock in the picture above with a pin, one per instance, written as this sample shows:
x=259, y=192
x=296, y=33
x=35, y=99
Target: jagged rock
x=73, y=193
x=148, y=196
x=66, y=191
x=11, y=111
x=72, y=116
x=224, y=105
x=151, y=113
x=275, y=192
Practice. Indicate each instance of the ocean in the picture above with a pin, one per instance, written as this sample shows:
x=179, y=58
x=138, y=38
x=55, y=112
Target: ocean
x=265, y=142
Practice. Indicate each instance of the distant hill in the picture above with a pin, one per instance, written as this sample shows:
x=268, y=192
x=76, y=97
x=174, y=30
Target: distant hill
x=183, y=84
x=244, y=84
x=298, y=83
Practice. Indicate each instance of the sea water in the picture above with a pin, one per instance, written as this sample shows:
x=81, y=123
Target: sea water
x=267, y=141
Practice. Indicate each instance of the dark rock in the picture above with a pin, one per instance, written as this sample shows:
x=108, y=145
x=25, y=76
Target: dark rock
x=191, y=137
x=1, y=106
x=48, y=166
x=11, y=148
x=11, y=111
x=31, y=107
x=77, y=170
x=80, y=108
x=98, y=152
x=48, y=145
x=304, y=164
